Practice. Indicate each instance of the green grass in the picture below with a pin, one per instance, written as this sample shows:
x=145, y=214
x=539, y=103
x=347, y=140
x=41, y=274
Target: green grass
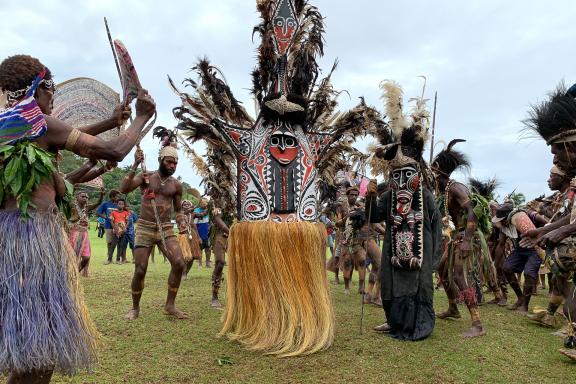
x=158, y=349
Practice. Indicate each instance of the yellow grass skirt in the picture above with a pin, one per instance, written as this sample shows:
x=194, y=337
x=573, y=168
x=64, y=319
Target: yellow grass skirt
x=278, y=300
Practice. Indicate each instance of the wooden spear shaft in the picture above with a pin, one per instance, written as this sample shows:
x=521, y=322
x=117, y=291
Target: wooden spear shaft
x=433, y=127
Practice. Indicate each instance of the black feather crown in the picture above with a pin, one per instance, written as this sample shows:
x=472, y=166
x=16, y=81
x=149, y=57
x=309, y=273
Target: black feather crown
x=484, y=188
x=449, y=159
x=166, y=136
x=554, y=119
x=290, y=71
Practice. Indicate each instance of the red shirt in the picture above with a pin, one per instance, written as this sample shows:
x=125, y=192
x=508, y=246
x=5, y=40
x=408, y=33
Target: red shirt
x=119, y=217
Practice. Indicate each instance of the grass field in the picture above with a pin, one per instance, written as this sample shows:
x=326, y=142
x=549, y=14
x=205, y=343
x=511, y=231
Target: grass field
x=158, y=349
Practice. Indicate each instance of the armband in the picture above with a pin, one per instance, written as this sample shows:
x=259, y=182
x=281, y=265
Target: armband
x=72, y=139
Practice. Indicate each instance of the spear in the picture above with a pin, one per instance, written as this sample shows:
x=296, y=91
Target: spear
x=433, y=127
x=113, y=50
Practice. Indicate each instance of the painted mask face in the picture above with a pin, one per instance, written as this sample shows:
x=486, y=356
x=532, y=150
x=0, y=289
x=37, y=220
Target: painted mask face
x=283, y=145
x=285, y=25
x=405, y=181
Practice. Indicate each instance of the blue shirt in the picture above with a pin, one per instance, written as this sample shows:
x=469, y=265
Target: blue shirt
x=105, y=209
x=131, y=220
x=202, y=223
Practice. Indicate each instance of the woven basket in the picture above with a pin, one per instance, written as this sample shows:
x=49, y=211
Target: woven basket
x=83, y=101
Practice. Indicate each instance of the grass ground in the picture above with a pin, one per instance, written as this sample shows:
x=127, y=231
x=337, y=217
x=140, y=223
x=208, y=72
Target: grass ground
x=158, y=349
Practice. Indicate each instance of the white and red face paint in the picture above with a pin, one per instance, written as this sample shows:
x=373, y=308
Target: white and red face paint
x=405, y=181
x=283, y=145
x=285, y=25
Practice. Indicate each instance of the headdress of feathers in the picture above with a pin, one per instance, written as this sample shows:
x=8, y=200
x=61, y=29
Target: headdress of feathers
x=555, y=119
x=291, y=38
x=402, y=140
x=166, y=136
x=484, y=188
x=168, y=142
x=285, y=85
x=448, y=160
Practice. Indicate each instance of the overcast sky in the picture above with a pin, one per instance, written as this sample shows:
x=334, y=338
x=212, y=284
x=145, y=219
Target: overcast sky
x=488, y=60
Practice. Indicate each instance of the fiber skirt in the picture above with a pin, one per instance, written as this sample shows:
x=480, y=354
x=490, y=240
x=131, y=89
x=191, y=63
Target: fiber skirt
x=80, y=242
x=44, y=323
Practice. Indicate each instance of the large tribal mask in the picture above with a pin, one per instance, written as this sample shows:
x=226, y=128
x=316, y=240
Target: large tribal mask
x=407, y=215
x=279, y=155
x=405, y=182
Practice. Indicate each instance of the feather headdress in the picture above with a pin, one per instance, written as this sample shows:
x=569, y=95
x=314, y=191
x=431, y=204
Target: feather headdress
x=402, y=140
x=485, y=188
x=555, y=119
x=448, y=160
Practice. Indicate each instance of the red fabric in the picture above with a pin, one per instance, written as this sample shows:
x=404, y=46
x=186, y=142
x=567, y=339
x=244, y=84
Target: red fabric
x=120, y=217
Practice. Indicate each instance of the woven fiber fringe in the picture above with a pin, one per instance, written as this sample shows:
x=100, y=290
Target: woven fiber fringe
x=278, y=300
x=195, y=244
x=488, y=268
x=44, y=323
x=185, y=247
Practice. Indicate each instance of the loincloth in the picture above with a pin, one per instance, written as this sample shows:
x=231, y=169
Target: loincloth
x=148, y=234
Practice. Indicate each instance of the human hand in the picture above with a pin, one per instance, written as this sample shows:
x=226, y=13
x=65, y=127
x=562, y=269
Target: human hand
x=110, y=165
x=372, y=189
x=145, y=105
x=138, y=156
x=530, y=239
x=121, y=114
x=552, y=238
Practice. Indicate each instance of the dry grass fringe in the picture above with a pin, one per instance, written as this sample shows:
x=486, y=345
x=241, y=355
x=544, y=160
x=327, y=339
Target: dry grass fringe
x=45, y=323
x=278, y=298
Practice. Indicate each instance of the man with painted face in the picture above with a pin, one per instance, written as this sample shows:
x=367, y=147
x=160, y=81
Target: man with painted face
x=161, y=193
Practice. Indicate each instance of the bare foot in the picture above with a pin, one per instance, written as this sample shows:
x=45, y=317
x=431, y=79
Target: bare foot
x=377, y=302
x=571, y=353
x=383, y=328
x=449, y=314
x=474, y=331
x=132, y=314
x=516, y=305
x=523, y=310
x=216, y=304
x=173, y=311
x=562, y=332
x=503, y=302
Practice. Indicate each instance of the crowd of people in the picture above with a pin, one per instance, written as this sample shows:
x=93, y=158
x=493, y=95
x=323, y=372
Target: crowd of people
x=276, y=204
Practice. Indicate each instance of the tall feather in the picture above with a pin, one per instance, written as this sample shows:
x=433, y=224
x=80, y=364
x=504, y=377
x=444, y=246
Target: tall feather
x=485, y=188
x=392, y=97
